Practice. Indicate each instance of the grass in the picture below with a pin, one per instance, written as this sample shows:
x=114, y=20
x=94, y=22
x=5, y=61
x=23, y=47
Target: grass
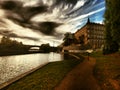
x=45, y=78
x=107, y=70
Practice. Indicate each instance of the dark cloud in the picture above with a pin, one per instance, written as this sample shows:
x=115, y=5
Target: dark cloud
x=11, y=5
x=25, y=13
x=72, y=1
x=29, y=38
x=22, y=16
x=20, y=12
x=13, y=35
x=8, y=33
x=58, y=2
x=4, y=32
x=30, y=11
x=48, y=28
x=36, y=9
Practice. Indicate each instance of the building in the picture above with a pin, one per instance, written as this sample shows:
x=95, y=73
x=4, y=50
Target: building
x=92, y=34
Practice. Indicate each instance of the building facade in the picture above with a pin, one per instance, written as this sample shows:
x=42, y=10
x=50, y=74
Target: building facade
x=92, y=34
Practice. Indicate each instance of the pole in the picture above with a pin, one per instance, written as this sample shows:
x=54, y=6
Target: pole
x=88, y=56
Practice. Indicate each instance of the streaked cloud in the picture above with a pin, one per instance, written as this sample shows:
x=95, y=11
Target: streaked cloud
x=42, y=21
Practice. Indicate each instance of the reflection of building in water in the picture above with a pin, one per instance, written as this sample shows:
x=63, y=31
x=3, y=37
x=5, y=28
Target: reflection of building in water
x=93, y=34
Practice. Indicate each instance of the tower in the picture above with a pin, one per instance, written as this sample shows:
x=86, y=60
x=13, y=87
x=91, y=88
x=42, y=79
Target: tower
x=88, y=21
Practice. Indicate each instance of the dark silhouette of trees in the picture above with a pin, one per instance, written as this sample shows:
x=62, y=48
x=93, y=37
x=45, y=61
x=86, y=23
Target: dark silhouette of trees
x=45, y=48
x=9, y=45
x=81, y=39
x=69, y=38
x=112, y=21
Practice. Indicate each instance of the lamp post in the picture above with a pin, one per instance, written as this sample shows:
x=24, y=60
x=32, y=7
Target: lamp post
x=88, y=52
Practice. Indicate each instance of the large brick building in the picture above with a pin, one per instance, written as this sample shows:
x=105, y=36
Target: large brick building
x=92, y=34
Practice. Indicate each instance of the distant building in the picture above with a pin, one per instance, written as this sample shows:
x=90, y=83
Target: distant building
x=92, y=34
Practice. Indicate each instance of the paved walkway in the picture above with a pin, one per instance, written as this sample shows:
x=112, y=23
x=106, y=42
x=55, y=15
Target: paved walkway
x=80, y=78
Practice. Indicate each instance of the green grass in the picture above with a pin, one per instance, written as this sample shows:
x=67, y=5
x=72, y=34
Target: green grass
x=107, y=67
x=45, y=78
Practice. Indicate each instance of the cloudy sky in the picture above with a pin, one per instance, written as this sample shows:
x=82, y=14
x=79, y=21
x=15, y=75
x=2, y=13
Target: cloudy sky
x=46, y=21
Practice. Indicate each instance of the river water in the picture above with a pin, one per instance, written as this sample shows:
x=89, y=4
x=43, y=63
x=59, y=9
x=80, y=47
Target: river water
x=13, y=66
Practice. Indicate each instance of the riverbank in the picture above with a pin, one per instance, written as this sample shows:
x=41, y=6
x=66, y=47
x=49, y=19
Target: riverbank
x=107, y=70
x=45, y=78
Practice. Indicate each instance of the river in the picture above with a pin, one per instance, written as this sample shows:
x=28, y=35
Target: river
x=13, y=66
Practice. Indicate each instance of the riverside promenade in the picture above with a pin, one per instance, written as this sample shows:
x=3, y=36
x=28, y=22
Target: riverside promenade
x=80, y=78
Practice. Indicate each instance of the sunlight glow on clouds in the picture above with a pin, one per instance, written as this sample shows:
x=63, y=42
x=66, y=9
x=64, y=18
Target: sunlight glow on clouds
x=46, y=21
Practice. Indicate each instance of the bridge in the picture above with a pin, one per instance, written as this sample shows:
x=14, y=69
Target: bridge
x=33, y=47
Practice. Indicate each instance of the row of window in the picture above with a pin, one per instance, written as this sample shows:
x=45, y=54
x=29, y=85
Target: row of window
x=97, y=27
x=96, y=41
x=95, y=32
x=95, y=36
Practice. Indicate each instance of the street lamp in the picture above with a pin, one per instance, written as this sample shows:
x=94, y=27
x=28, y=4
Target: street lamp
x=88, y=52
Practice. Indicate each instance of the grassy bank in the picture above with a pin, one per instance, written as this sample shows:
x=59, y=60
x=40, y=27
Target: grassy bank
x=107, y=70
x=46, y=78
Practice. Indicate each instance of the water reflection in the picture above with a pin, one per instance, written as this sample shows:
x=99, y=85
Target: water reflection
x=55, y=57
x=12, y=66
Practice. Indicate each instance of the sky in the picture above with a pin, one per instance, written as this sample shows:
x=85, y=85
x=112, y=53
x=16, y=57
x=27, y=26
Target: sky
x=39, y=22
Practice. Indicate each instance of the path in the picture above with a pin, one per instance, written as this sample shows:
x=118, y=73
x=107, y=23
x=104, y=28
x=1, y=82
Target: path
x=80, y=78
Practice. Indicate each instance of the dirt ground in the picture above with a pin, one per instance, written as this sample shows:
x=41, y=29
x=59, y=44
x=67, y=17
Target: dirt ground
x=80, y=78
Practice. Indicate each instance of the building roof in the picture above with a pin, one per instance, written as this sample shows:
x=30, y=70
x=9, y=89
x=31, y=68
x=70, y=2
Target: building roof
x=89, y=23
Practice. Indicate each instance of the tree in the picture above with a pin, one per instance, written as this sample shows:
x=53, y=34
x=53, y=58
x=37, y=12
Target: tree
x=45, y=48
x=112, y=21
x=81, y=39
x=9, y=44
x=5, y=41
x=68, y=38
